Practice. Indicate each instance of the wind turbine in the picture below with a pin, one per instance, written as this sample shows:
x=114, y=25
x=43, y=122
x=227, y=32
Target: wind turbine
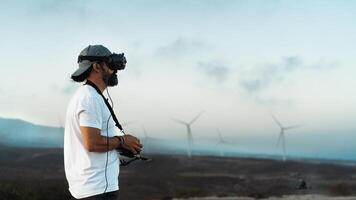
x=61, y=127
x=127, y=123
x=282, y=136
x=61, y=124
x=189, y=131
x=221, y=142
x=146, y=139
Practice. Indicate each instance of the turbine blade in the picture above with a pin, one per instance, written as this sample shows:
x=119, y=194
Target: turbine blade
x=144, y=132
x=196, y=117
x=292, y=127
x=179, y=121
x=277, y=122
x=127, y=123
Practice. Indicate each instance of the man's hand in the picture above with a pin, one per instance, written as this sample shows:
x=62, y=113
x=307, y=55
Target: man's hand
x=131, y=143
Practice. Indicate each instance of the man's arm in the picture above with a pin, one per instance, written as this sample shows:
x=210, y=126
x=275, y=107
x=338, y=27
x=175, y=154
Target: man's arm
x=94, y=142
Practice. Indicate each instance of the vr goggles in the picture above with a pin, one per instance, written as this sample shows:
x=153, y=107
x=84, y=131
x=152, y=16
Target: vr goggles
x=114, y=61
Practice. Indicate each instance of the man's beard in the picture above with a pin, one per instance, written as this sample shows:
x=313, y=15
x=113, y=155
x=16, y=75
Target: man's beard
x=110, y=80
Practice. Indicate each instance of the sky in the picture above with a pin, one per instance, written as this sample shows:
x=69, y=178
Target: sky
x=239, y=61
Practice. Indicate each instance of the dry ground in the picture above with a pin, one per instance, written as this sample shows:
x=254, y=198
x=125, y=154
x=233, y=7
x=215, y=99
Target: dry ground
x=38, y=174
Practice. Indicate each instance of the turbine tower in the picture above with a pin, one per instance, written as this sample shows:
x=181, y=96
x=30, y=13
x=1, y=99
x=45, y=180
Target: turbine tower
x=61, y=124
x=146, y=140
x=189, y=131
x=282, y=135
x=222, y=142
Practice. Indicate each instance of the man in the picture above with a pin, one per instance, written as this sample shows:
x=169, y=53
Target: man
x=91, y=139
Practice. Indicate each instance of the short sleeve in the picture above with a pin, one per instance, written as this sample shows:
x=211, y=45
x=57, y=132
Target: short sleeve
x=90, y=113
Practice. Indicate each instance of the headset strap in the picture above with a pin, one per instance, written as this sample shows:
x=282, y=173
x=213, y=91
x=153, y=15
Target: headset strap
x=117, y=124
x=93, y=58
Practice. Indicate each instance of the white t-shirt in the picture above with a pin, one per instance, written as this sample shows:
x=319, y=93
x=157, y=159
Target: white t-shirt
x=85, y=171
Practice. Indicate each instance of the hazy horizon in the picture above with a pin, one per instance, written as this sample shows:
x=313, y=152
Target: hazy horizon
x=240, y=61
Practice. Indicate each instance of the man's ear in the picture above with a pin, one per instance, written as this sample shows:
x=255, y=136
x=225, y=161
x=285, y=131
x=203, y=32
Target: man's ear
x=96, y=67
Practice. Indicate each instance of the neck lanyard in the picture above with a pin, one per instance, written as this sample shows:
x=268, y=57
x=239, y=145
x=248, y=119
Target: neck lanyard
x=117, y=124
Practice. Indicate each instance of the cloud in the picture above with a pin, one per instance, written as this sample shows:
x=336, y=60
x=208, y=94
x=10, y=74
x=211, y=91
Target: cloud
x=262, y=77
x=180, y=47
x=214, y=69
x=58, y=9
x=292, y=63
x=324, y=65
x=261, y=80
x=251, y=85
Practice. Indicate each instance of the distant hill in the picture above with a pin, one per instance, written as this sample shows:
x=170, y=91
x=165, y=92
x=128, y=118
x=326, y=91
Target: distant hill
x=19, y=133
x=334, y=146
